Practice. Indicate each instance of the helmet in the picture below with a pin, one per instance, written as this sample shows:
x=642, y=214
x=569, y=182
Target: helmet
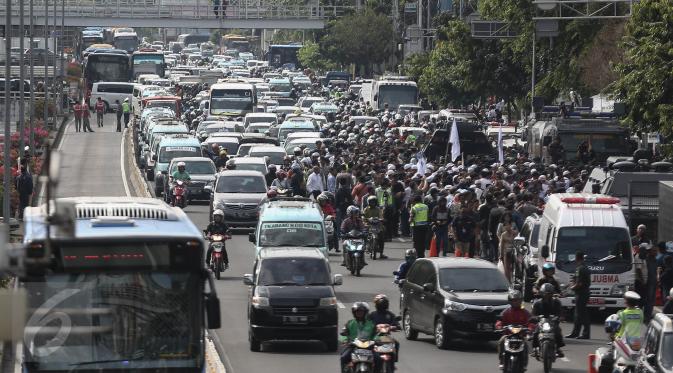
x=322, y=197
x=352, y=210
x=381, y=302
x=547, y=289
x=632, y=295
x=410, y=254
x=612, y=324
x=218, y=212
x=272, y=193
x=548, y=267
x=360, y=306
x=372, y=201
x=272, y=167
x=514, y=295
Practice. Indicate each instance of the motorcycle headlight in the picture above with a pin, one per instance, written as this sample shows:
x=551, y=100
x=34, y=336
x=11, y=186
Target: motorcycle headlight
x=546, y=327
x=454, y=306
x=260, y=302
x=329, y=301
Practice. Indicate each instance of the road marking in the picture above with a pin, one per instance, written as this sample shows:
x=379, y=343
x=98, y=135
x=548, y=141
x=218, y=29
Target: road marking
x=123, y=166
x=400, y=239
x=564, y=359
x=340, y=305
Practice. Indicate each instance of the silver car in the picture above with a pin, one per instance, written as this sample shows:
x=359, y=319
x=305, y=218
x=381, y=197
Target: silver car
x=239, y=193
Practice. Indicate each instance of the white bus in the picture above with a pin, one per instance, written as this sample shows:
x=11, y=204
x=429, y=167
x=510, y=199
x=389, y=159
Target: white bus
x=125, y=39
x=232, y=98
x=394, y=91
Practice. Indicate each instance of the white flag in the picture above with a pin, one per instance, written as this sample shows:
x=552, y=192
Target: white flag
x=501, y=155
x=421, y=164
x=454, y=140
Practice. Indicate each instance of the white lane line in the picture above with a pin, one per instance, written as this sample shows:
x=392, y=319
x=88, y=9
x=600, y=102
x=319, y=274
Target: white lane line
x=340, y=305
x=565, y=359
x=123, y=166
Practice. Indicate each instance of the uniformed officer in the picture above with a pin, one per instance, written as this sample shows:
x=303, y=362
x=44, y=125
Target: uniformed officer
x=582, y=283
x=420, y=225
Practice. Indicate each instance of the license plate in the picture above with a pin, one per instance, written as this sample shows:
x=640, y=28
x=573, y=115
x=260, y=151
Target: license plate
x=596, y=301
x=485, y=327
x=295, y=319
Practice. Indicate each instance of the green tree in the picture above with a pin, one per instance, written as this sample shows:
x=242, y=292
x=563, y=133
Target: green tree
x=310, y=56
x=362, y=39
x=645, y=81
x=415, y=64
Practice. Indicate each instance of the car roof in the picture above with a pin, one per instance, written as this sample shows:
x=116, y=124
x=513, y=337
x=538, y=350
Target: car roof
x=182, y=141
x=289, y=210
x=240, y=173
x=665, y=321
x=191, y=159
x=449, y=262
x=267, y=148
x=291, y=252
x=232, y=139
x=243, y=160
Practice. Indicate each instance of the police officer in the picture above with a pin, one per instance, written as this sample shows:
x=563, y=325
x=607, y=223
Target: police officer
x=126, y=110
x=119, y=111
x=581, y=287
x=419, y=224
x=631, y=317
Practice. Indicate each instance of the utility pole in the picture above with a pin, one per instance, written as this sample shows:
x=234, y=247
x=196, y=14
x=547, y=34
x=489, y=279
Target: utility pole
x=22, y=103
x=32, y=80
x=46, y=61
x=5, y=175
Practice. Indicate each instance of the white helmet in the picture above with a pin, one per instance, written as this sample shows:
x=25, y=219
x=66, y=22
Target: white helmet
x=218, y=212
x=181, y=164
x=670, y=293
x=632, y=295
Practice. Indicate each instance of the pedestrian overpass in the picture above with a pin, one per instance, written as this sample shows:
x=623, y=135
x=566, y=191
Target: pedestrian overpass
x=239, y=14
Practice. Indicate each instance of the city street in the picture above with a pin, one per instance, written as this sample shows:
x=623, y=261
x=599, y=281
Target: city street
x=92, y=167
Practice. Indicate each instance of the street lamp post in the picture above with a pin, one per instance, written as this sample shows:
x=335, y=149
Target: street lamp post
x=32, y=80
x=6, y=162
x=22, y=104
x=46, y=60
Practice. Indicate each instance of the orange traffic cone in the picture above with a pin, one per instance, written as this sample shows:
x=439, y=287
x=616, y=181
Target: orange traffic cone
x=433, y=247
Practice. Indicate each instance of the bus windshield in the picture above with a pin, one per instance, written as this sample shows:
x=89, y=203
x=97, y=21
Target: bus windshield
x=608, y=248
x=128, y=44
x=109, y=68
x=231, y=101
x=148, y=58
x=396, y=95
x=127, y=320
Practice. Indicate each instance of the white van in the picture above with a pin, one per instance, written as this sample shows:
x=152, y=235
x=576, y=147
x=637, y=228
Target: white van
x=595, y=225
x=109, y=92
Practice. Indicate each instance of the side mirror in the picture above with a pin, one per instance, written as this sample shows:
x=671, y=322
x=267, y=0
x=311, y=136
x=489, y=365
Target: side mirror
x=164, y=172
x=213, y=318
x=251, y=237
x=338, y=280
x=154, y=157
x=429, y=287
x=247, y=279
x=652, y=359
x=544, y=251
x=208, y=188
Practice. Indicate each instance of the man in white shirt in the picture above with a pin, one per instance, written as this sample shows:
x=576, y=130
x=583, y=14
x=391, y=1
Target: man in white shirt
x=314, y=183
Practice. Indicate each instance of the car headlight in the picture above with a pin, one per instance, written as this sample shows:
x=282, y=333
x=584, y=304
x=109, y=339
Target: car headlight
x=260, y=302
x=329, y=301
x=454, y=306
x=546, y=327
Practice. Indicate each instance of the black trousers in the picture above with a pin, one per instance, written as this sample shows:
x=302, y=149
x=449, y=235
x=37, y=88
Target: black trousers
x=420, y=238
x=119, y=122
x=582, y=324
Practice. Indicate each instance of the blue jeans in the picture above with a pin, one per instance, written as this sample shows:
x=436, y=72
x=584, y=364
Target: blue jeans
x=442, y=240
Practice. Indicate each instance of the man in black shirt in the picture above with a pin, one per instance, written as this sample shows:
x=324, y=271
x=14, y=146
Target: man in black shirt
x=549, y=307
x=484, y=214
x=582, y=283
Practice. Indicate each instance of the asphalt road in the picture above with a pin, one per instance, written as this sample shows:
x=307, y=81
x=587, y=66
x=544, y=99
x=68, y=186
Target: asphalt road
x=91, y=166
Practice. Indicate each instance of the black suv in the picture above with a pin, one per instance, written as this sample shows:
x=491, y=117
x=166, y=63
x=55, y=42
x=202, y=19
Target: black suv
x=452, y=297
x=292, y=298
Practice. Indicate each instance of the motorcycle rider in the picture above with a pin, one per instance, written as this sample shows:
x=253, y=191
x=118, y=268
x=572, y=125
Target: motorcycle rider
x=549, y=306
x=281, y=181
x=352, y=222
x=409, y=259
x=515, y=314
x=179, y=174
x=548, y=271
x=631, y=317
x=217, y=226
x=373, y=211
x=383, y=316
x=360, y=326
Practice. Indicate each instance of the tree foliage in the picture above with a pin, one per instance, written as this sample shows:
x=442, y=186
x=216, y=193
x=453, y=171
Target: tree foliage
x=311, y=56
x=645, y=81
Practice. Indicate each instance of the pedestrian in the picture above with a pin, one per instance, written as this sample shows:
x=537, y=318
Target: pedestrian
x=651, y=283
x=581, y=285
x=100, y=111
x=418, y=219
x=126, y=109
x=77, y=109
x=119, y=111
x=440, y=225
x=216, y=8
x=24, y=186
x=86, y=126
x=666, y=278
x=506, y=234
x=314, y=183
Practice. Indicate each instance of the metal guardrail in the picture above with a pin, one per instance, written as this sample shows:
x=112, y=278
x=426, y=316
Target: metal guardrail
x=191, y=9
x=38, y=71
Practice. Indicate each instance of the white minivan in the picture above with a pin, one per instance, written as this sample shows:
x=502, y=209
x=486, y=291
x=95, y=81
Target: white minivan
x=109, y=92
x=595, y=225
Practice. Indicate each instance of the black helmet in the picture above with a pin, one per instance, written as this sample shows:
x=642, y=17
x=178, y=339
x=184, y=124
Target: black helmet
x=514, y=295
x=381, y=302
x=547, y=289
x=357, y=306
x=410, y=254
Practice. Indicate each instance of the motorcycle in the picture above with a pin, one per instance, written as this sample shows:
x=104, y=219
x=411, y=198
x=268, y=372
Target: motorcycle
x=362, y=354
x=515, y=349
x=329, y=229
x=375, y=227
x=546, y=350
x=621, y=357
x=354, y=245
x=179, y=194
x=385, y=347
x=216, y=259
